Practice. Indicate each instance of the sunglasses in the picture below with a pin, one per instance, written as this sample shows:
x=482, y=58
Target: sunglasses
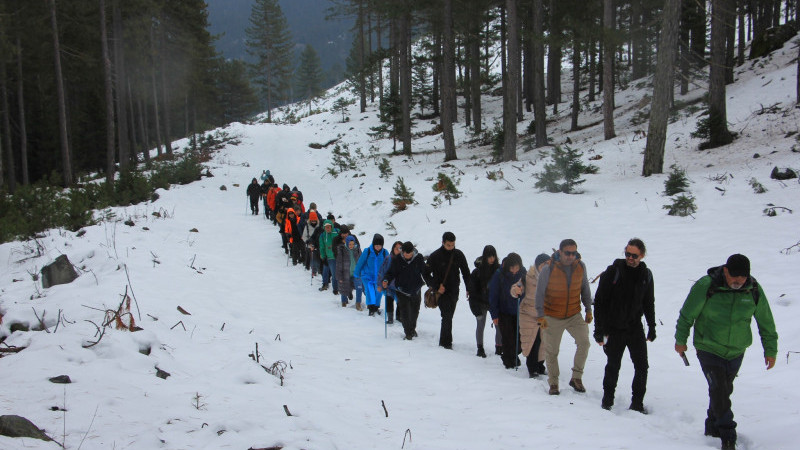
x=568, y=253
x=632, y=255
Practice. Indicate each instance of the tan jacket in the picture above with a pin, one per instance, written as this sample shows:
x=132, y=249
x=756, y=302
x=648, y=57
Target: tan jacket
x=528, y=327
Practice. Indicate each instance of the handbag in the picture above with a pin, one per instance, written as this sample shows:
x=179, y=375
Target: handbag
x=432, y=294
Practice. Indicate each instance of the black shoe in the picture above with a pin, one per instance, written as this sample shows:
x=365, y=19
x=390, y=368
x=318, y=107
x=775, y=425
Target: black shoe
x=728, y=445
x=408, y=337
x=335, y=292
x=447, y=346
x=415, y=333
x=371, y=313
x=533, y=375
x=638, y=407
x=390, y=321
x=498, y=350
x=481, y=352
x=606, y=406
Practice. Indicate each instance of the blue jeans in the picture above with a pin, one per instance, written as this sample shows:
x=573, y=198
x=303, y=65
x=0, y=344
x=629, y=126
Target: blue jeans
x=329, y=273
x=720, y=373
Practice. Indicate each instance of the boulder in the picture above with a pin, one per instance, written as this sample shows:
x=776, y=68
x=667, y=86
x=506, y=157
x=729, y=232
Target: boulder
x=782, y=174
x=18, y=426
x=60, y=271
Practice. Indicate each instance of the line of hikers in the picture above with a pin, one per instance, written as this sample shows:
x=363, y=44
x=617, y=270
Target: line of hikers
x=532, y=308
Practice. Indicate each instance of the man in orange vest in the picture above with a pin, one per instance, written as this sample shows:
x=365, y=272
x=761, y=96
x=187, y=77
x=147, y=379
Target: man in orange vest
x=563, y=286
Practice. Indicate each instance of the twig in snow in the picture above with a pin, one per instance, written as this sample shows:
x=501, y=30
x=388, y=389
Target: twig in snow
x=286, y=409
x=180, y=322
x=384, y=408
x=41, y=321
x=407, y=433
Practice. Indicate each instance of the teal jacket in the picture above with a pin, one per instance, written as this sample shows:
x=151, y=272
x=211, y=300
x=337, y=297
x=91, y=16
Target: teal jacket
x=722, y=320
x=326, y=250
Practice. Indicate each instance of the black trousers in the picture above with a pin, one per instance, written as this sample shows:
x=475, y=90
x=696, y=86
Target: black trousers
x=636, y=343
x=510, y=335
x=447, y=308
x=720, y=373
x=408, y=311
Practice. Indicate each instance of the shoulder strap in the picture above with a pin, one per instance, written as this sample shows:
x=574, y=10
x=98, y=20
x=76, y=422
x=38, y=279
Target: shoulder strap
x=713, y=288
x=450, y=264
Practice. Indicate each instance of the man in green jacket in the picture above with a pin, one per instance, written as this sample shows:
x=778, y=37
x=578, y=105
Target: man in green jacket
x=720, y=306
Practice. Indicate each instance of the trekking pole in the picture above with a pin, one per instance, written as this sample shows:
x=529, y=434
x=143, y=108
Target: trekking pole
x=516, y=340
x=385, y=323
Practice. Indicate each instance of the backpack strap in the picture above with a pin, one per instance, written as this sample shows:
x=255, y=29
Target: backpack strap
x=714, y=287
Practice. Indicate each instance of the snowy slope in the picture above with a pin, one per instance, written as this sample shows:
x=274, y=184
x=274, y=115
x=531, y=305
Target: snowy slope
x=340, y=370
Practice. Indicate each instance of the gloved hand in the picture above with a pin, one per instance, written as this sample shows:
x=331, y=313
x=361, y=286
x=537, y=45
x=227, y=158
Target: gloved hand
x=542, y=322
x=598, y=336
x=651, y=333
x=589, y=317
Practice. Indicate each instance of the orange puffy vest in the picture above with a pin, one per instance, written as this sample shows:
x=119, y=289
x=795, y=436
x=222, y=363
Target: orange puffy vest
x=560, y=302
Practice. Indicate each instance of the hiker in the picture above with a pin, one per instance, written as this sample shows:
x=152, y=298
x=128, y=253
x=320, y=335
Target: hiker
x=720, y=307
x=327, y=256
x=367, y=268
x=563, y=285
x=271, y=193
x=264, y=190
x=624, y=294
x=347, y=255
x=254, y=192
x=530, y=335
x=311, y=233
x=485, y=267
x=388, y=292
x=504, y=306
x=441, y=273
x=294, y=236
x=405, y=272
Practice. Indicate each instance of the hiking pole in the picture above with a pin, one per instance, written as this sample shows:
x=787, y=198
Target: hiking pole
x=685, y=359
x=516, y=340
x=385, y=322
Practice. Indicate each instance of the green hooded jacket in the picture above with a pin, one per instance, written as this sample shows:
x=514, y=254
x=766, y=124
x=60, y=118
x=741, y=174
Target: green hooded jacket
x=326, y=250
x=722, y=321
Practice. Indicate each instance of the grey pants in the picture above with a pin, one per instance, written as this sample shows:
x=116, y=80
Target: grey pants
x=498, y=340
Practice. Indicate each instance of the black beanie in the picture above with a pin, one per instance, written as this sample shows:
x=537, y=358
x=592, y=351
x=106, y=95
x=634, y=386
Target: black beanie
x=738, y=265
x=377, y=240
x=408, y=247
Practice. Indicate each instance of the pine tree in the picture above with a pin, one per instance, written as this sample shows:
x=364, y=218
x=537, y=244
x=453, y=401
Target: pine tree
x=269, y=41
x=309, y=74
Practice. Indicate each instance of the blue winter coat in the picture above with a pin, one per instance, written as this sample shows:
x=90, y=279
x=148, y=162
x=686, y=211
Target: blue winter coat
x=500, y=299
x=369, y=264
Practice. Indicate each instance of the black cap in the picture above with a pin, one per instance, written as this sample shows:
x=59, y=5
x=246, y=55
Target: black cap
x=738, y=266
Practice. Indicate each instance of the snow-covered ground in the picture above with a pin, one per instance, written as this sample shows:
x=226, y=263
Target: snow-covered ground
x=345, y=384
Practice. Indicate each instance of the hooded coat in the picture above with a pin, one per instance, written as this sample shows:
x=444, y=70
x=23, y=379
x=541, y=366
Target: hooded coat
x=479, y=291
x=344, y=267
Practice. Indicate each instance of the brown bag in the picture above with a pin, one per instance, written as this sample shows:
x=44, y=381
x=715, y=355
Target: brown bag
x=431, y=296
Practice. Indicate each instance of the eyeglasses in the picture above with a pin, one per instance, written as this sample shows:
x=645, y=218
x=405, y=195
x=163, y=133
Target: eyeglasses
x=568, y=253
x=632, y=255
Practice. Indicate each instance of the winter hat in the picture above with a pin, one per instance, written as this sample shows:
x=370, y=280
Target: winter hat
x=331, y=217
x=738, y=265
x=327, y=223
x=377, y=239
x=408, y=247
x=312, y=216
x=540, y=259
x=349, y=239
x=294, y=196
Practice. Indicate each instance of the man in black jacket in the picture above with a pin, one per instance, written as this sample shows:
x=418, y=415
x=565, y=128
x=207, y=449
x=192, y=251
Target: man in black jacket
x=441, y=273
x=406, y=271
x=624, y=294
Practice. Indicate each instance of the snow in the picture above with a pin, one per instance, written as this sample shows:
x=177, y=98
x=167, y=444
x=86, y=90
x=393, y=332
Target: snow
x=340, y=371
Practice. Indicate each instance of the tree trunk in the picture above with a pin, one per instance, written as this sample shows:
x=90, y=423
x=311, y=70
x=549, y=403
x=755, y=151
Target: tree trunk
x=662, y=90
x=554, y=59
x=797, y=77
x=475, y=77
x=66, y=157
x=697, y=11
x=378, y=36
x=729, y=11
x=511, y=81
x=592, y=68
x=742, y=41
x=684, y=46
x=156, y=118
x=448, y=82
x=143, y=130
x=467, y=83
x=405, y=79
x=132, y=126
x=717, y=113
x=638, y=41
x=23, y=132
x=12, y=171
x=576, y=83
x=608, y=69
x=436, y=70
x=362, y=84
x=109, y=97
x=539, y=106
x=123, y=136
x=165, y=98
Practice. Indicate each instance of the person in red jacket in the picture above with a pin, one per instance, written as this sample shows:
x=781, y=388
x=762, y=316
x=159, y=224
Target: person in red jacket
x=292, y=231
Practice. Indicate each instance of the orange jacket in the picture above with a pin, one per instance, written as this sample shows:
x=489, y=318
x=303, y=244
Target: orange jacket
x=558, y=301
x=271, y=196
x=291, y=228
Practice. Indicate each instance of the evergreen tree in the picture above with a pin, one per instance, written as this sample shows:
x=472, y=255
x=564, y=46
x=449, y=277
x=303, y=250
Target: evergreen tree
x=237, y=98
x=309, y=74
x=269, y=41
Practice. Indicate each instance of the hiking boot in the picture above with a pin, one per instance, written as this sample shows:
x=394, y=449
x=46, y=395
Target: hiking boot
x=554, y=389
x=359, y=307
x=344, y=304
x=481, y=352
x=728, y=445
x=408, y=337
x=371, y=313
x=335, y=292
x=498, y=350
x=606, y=405
x=577, y=384
x=390, y=320
x=324, y=288
x=533, y=375
x=638, y=407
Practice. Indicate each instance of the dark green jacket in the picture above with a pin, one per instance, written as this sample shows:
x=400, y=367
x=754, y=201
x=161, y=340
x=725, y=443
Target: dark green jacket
x=722, y=321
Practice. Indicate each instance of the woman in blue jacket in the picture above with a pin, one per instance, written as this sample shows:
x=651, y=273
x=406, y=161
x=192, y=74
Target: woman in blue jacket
x=504, y=308
x=367, y=268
